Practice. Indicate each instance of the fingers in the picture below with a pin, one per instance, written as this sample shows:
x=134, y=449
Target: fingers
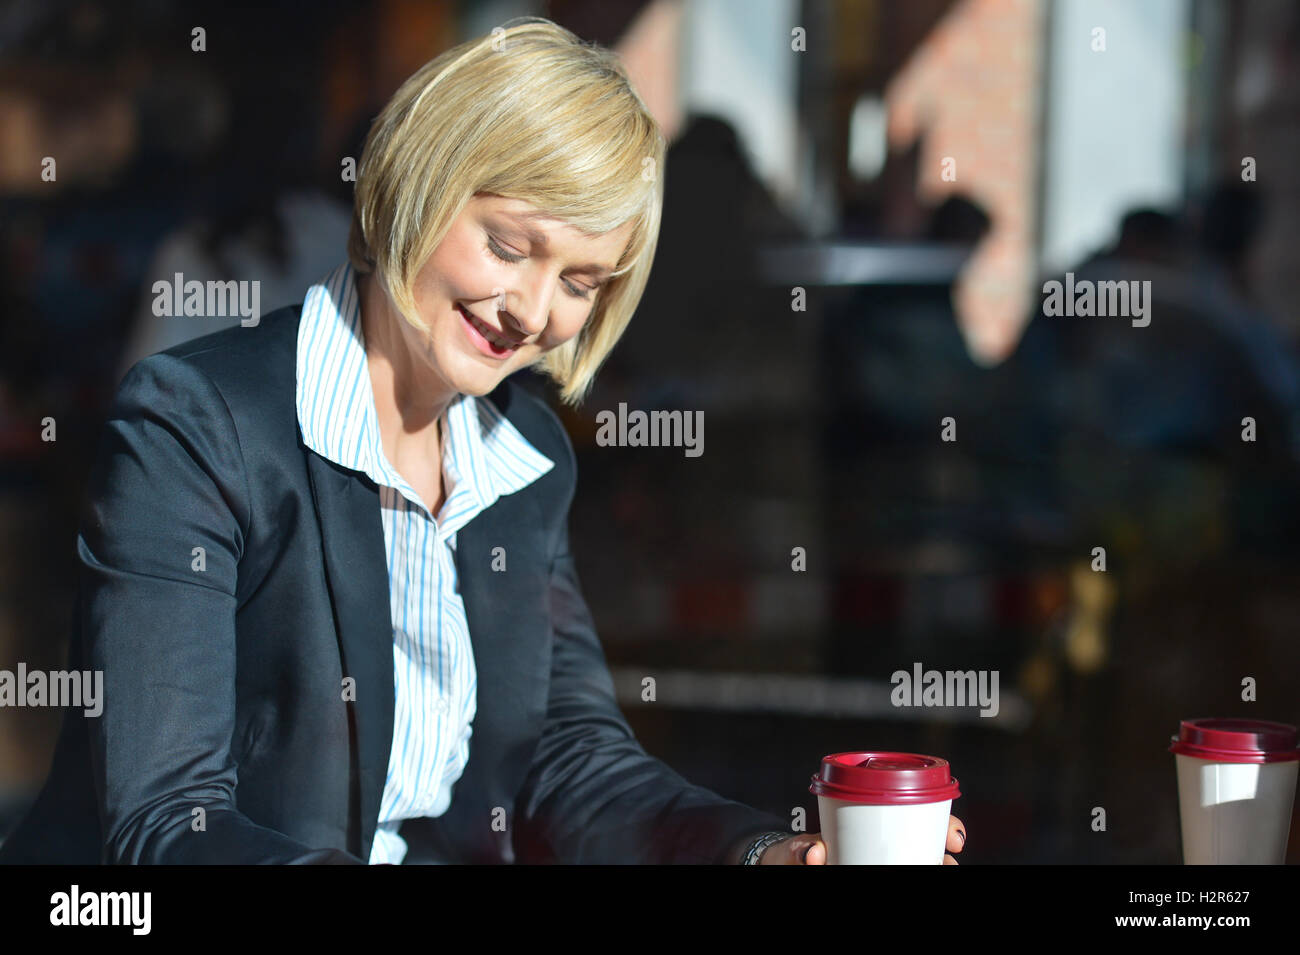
x=956, y=834
x=804, y=849
x=815, y=854
x=809, y=849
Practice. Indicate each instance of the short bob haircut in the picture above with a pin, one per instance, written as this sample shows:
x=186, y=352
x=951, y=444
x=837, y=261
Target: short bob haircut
x=530, y=112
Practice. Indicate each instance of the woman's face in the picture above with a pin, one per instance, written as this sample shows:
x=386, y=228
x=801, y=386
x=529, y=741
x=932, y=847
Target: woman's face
x=505, y=273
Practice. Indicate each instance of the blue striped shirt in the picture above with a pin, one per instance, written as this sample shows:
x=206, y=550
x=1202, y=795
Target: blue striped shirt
x=484, y=457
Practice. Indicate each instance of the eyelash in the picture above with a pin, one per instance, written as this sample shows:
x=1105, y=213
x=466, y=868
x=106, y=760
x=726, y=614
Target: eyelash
x=494, y=247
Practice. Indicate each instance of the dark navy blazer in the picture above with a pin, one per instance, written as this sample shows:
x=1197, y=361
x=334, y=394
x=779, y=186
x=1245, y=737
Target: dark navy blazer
x=228, y=734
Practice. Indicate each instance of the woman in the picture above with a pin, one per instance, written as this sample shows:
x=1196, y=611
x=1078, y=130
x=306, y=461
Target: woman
x=326, y=569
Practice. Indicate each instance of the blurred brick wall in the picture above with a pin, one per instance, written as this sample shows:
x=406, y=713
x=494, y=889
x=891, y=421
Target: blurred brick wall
x=971, y=92
x=1260, y=117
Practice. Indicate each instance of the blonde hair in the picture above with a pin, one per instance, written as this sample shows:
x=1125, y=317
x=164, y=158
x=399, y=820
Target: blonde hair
x=531, y=112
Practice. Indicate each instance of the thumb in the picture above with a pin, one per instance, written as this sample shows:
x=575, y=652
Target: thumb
x=815, y=853
x=807, y=849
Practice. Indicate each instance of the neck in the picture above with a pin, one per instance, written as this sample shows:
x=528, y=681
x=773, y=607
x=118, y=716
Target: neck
x=409, y=396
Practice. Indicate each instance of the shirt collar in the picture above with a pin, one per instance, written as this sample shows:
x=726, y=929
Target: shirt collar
x=483, y=452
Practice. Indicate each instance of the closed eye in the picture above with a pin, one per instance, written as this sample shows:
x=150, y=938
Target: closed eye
x=495, y=248
x=575, y=289
x=578, y=291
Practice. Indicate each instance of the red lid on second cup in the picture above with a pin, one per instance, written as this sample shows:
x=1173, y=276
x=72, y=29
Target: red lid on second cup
x=1237, y=741
x=885, y=779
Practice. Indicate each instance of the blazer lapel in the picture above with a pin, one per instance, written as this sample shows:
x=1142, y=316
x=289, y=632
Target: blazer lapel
x=356, y=565
x=510, y=633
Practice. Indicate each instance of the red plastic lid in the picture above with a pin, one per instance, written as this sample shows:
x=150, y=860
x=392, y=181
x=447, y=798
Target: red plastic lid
x=1237, y=741
x=885, y=779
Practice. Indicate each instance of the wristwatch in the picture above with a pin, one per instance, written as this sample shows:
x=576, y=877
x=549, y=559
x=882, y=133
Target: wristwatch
x=760, y=845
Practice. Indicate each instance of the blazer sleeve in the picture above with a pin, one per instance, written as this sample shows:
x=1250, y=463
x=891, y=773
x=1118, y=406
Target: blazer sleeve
x=157, y=619
x=592, y=794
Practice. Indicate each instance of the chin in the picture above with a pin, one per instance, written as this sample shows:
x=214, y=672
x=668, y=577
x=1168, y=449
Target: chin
x=471, y=377
x=479, y=390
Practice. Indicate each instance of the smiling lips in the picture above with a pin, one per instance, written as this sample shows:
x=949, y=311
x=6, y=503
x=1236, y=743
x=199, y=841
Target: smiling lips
x=486, y=334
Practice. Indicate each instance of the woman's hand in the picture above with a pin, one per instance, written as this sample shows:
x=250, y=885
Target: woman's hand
x=809, y=849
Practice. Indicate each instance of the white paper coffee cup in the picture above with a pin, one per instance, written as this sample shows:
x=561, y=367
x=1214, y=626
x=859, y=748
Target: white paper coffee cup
x=882, y=808
x=1236, y=787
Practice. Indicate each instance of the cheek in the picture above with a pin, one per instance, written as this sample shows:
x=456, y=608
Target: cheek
x=567, y=322
x=456, y=270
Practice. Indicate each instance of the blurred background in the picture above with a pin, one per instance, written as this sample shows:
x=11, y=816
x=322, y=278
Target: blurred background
x=864, y=199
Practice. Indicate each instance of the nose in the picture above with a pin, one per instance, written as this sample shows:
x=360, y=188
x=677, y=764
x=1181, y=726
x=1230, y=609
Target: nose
x=527, y=306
